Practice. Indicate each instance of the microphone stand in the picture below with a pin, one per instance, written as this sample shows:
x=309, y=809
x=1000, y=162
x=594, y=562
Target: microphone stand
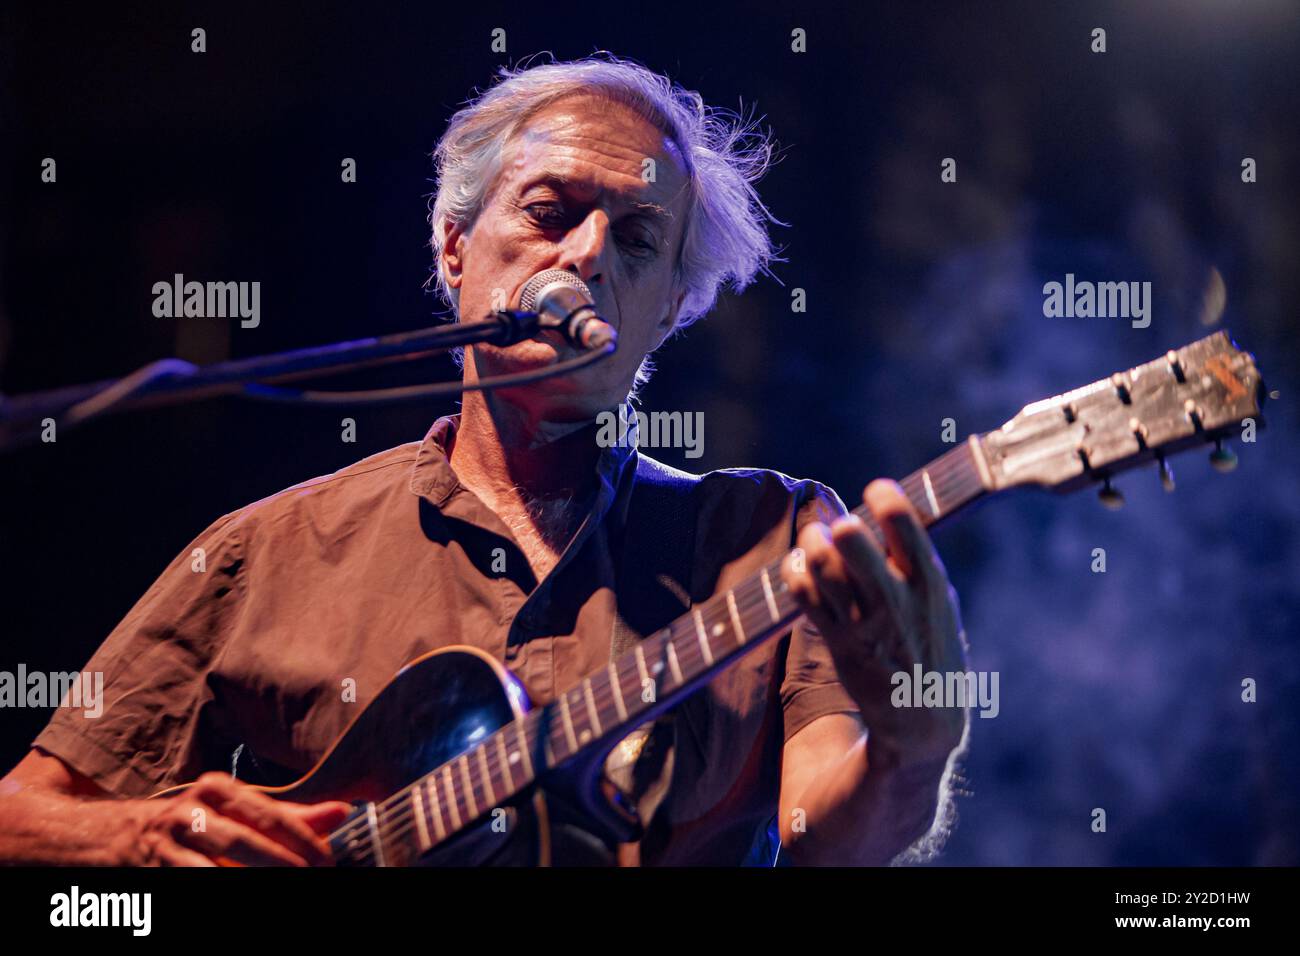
x=173, y=381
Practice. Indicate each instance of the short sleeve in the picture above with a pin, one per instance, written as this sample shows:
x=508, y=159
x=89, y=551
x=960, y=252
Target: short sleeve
x=146, y=734
x=811, y=688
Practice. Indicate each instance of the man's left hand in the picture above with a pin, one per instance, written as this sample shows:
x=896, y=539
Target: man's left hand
x=882, y=607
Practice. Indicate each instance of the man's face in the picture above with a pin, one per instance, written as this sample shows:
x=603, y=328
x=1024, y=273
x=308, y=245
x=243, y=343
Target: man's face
x=572, y=194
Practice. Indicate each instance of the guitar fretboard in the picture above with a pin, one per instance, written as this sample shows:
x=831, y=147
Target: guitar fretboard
x=604, y=707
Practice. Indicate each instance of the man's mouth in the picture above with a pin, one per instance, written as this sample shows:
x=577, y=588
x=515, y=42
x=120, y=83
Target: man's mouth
x=554, y=337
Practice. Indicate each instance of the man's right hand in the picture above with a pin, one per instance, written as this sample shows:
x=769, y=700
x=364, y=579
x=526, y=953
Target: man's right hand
x=52, y=815
x=218, y=820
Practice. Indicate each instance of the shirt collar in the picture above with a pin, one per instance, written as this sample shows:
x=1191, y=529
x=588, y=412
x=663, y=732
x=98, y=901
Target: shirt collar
x=433, y=478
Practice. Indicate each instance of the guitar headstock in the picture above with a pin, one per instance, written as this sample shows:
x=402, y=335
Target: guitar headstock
x=1199, y=394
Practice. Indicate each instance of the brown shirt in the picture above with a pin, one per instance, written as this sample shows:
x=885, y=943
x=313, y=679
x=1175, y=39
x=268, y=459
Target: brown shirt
x=254, y=633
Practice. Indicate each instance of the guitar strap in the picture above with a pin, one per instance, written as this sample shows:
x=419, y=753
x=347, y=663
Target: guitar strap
x=658, y=548
x=653, y=588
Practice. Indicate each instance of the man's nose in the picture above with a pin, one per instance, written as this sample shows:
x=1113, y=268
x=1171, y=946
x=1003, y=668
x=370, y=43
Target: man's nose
x=585, y=247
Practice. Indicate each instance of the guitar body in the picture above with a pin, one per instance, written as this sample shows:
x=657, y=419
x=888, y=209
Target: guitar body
x=436, y=708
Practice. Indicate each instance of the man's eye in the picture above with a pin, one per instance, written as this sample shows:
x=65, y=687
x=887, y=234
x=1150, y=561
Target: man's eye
x=545, y=214
x=638, y=245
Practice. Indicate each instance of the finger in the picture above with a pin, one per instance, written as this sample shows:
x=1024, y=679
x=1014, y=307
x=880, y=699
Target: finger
x=797, y=574
x=254, y=809
x=908, y=544
x=870, y=576
x=874, y=583
x=231, y=839
x=172, y=854
x=831, y=578
x=828, y=582
x=795, y=569
x=322, y=817
x=280, y=823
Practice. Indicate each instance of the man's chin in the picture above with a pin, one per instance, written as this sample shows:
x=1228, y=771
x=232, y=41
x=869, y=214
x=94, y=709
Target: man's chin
x=491, y=361
x=578, y=394
x=524, y=356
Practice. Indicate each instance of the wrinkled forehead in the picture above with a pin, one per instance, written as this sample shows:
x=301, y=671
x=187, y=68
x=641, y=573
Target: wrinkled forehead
x=587, y=140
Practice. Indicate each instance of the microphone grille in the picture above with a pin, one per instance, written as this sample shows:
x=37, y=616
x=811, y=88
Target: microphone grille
x=534, y=286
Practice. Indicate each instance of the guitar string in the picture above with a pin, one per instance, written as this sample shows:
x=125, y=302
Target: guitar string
x=397, y=822
x=942, y=485
x=913, y=494
x=947, y=490
x=400, y=821
x=397, y=812
x=949, y=479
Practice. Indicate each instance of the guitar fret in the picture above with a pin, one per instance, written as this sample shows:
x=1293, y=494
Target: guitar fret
x=523, y=750
x=421, y=825
x=431, y=783
x=735, y=616
x=704, y=640
x=619, y=705
x=504, y=759
x=376, y=842
x=929, y=492
x=976, y=454
x=487, y=774
x=568, y=723
x=641, y=669
x=770, y=597
x=469, y=786
x=576, y=706
x=591, y=707
x=672, y=660
x=453, y=802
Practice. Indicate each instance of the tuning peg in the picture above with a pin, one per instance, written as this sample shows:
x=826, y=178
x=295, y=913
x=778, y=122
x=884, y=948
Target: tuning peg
x=1166, y=475
x=1175, y=366
x=1111, y=496
x=1223, y=459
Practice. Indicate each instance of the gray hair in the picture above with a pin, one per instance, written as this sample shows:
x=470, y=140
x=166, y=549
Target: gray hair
x=725, y=240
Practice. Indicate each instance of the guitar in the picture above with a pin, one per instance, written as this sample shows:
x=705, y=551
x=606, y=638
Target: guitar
x=449, y=764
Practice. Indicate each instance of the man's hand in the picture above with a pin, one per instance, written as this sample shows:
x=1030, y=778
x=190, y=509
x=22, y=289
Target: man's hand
x=53, y=815
x=882, y=607
x=221, y=820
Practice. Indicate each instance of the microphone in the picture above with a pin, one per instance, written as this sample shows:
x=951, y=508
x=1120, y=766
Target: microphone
x=563, y=302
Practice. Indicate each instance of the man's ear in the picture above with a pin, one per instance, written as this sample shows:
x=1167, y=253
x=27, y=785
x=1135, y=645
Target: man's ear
x=452, y=256
x=669, y=321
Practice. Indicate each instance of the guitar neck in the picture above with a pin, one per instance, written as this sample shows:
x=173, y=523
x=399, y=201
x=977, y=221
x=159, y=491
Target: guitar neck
x=943, y=487
x=654, y=676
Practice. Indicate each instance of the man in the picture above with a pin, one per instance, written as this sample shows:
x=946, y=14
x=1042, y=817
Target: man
x=505, y=529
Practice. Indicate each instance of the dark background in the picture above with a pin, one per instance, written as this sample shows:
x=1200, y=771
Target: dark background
x=1119, y=690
